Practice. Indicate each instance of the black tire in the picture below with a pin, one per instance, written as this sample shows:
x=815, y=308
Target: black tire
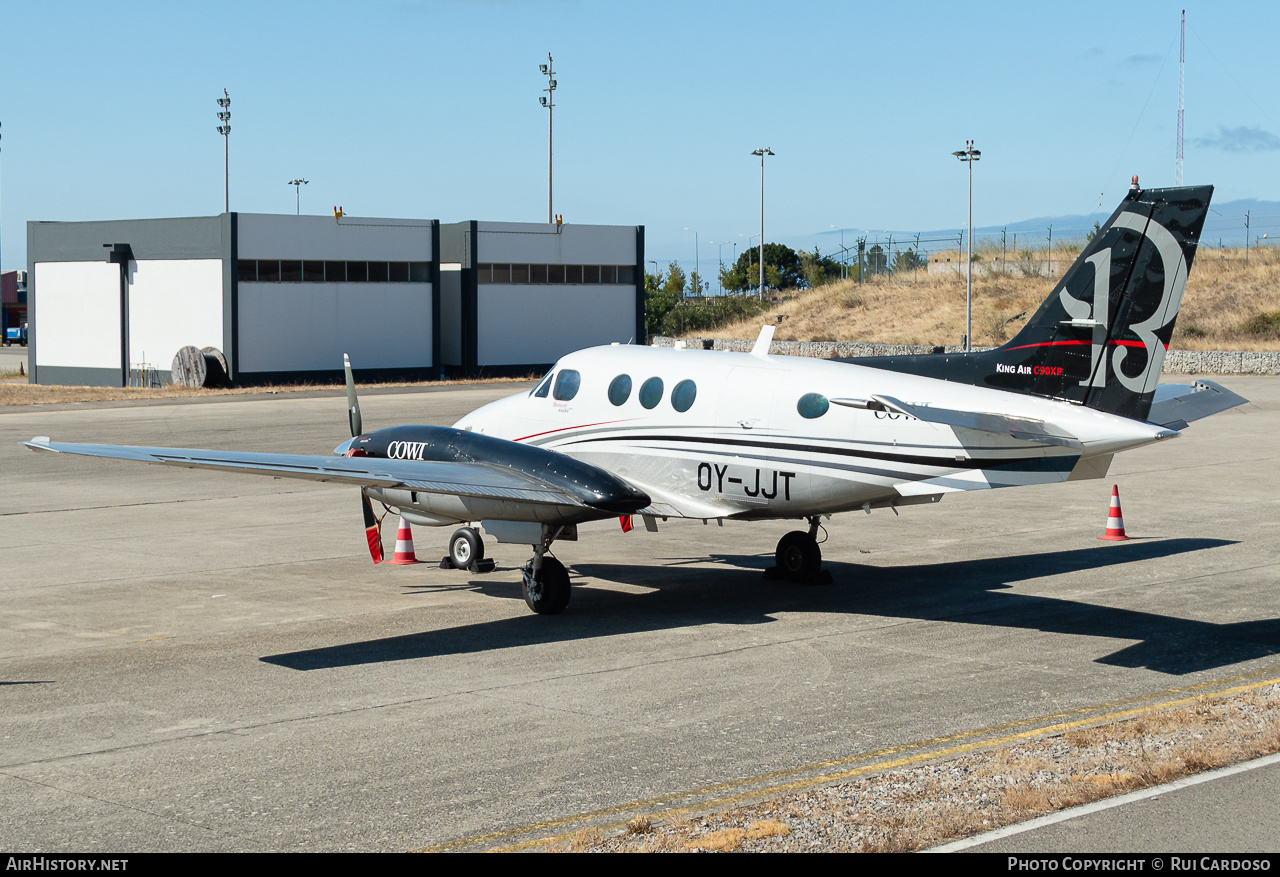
x=798, y=557
x=550, y=595
x=465, y=548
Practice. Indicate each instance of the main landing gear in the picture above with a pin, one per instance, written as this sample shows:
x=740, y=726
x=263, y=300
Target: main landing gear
x=466, y=551
x=798, y=557
x=545, y=580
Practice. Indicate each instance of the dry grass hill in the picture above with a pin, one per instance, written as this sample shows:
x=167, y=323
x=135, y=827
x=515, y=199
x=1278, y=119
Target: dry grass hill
x=1228, y=305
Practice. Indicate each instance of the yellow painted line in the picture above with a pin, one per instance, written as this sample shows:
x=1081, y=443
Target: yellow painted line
x=857, y=765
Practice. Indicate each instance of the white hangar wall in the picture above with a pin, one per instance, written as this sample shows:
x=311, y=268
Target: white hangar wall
x=305, y=321
x=528, y=293
x=173, y=303
x=167, y=277
x=539, y=324
x=79, y=315
x=308, y=326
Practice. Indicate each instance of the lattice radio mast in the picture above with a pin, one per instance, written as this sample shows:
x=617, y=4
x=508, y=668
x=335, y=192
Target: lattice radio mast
x=1182, y=86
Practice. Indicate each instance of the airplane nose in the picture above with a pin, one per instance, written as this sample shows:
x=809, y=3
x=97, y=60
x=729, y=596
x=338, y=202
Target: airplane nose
x=341, y=450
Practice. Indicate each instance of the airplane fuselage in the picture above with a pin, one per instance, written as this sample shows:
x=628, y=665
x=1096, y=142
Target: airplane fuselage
x=718, y=434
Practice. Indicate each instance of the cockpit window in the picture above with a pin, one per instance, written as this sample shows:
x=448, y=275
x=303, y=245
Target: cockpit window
x=683, y=395
x=620, y=389
x=812, y=405
x=541, y=390
x=567, y=383
x=651, y=392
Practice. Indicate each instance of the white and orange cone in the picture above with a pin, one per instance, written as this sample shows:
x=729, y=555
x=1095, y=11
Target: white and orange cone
x=1115, y=520
x=404, y=545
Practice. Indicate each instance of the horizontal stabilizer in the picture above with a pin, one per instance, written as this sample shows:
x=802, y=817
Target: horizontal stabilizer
x=1176, y=405
x=1022, y=428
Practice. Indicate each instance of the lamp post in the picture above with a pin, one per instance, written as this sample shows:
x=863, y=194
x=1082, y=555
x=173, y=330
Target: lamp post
x=720, y=259
x=697, y=263
x=297, y=197
x=969, y=155
x=549, y=102
x=762, y=152
x=844, y=261
x=224, y=116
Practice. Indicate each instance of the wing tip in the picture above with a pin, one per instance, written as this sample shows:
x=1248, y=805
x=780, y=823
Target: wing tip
x=39, y=443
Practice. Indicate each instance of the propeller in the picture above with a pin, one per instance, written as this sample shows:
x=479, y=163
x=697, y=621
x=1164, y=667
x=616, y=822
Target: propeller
x=372, y=526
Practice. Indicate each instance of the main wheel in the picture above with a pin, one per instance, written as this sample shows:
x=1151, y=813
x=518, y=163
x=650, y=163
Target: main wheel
x=550, y=593
x=465, y=547
x=798, y=556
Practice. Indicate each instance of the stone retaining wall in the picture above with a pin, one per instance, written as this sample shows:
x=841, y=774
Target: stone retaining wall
x=1177, y=362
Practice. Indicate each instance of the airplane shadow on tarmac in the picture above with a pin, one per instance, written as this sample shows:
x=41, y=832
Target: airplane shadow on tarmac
x=969, y=592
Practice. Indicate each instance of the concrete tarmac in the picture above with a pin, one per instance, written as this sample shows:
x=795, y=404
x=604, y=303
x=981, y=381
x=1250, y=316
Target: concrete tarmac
x=205, y=661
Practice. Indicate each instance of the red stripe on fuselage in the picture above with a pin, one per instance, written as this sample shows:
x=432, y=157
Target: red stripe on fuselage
x=1119, y=342
x=567, y=428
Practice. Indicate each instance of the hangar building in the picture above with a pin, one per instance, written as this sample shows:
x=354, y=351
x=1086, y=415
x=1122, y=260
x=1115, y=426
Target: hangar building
x=283, y=297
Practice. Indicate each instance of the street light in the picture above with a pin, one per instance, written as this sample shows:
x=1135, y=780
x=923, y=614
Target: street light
x=720, y=257
x=549, y=102
x=297, y=198
x=969, y=155
x=224, y=116
x=762, y=152
x=844, y=261
x=697, y=264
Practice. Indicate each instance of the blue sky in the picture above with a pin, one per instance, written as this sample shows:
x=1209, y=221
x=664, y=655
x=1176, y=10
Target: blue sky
x=430, y=110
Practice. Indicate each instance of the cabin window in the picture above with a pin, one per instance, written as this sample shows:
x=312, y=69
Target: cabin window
x=620, y=389
x=541, y=390
x=812, y=405
x=567, y=383
x=651, y=392
x=683, y=395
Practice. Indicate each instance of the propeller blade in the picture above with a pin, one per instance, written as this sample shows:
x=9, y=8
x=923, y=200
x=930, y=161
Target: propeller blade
x=353, y=404
x=372, y=526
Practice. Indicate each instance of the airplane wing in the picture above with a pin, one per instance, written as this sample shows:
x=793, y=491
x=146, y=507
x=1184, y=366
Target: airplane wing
x=1176, y=405
x=473, y=479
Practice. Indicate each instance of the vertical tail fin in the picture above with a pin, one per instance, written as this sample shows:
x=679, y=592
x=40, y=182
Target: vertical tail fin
x=1100, y=337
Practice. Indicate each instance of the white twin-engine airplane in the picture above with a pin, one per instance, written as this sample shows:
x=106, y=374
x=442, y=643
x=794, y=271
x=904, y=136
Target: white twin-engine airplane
x=671, y=433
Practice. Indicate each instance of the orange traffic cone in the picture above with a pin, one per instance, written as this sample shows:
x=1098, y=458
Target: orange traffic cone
x=404, y=545
x=1115, y=520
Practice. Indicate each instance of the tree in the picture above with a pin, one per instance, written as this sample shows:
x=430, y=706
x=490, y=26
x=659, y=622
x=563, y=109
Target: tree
x=674, y=284
x=910, y=260
x=877, y=261
x=778, y=258
x=817, y=269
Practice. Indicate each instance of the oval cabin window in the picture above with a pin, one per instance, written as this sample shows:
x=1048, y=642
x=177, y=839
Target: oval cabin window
x=812, y=405
x=651, y=392
x=683, y=395
x=620, y=389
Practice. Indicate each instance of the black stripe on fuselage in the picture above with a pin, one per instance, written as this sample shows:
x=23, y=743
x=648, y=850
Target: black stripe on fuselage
x=916, y=460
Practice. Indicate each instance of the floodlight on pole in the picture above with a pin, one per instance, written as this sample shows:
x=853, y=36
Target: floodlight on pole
x=697, y=263
x=297, y=198
x=762, y=152
x=969, y=155
x=548, y=70
x=224, y=116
